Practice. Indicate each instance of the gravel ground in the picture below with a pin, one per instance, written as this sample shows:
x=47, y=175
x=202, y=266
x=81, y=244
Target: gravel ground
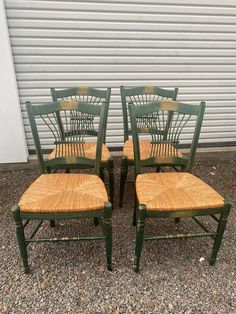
x=72, y=277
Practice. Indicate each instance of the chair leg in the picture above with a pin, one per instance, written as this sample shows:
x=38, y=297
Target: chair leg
x=96, y=221
x=139, y=237
x=219, y=235
x=123, y=177
x=134, y=210
x=108, y=233
x=21, y=237
x=52, y=223
x=111, y=179
x=102, y=174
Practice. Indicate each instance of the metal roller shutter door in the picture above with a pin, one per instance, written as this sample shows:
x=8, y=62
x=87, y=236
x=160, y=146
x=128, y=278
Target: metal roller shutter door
x=172, y=43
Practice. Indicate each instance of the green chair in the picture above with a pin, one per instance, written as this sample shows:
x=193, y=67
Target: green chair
x=172, y=194
x=65, y=195
x=94, y=97
x=139, y=96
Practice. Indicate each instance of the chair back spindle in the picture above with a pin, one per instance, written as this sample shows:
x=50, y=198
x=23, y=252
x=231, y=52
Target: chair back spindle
x=140, y=96
x=70, y=123
x=166, y=134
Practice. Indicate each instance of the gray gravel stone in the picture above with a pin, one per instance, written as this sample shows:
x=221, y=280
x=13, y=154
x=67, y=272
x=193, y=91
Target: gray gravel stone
x=72, y=277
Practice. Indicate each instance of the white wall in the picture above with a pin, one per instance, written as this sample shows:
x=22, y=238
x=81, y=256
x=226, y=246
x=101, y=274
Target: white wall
x=12, y=136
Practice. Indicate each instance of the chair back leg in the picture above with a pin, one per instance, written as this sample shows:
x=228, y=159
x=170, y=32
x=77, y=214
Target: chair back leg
x=123, y=177
x=108, y=234
x=111, y=179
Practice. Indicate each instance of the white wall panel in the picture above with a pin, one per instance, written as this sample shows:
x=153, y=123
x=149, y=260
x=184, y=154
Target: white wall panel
x=173, y=43
x=12, y=135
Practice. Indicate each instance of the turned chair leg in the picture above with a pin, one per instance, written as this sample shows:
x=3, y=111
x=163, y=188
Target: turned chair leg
x=21, y=237
x=219, y=235
x=139, y=237
x=108, y=234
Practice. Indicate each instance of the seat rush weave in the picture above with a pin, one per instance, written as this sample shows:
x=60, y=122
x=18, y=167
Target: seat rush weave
x=56, y=196
x=172, y=194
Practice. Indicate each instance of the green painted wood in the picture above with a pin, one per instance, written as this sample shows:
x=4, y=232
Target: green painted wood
x=65, y=239
x=80, y=91
x=20, y=237
x=181, y=113
x=182, y=236
x=31, y=116
x=164, y=161
x=123, y=177
x=56, y=106
x=152, y=115
x=86, y=95
x=141, y=212
x=168, y=106
x=196, y=136
x=82, y=114
x=149, y=90
x=220, y=232
x=62, y=216
x=107, y=229
x=184, y=213
x=23, y=242
x=217, y=236
x=141, y=96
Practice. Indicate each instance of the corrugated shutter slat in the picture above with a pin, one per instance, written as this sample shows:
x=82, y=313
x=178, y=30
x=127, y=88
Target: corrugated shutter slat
x=173, y=43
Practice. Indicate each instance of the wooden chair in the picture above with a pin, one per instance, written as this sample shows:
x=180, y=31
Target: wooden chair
x=62, y=195
x=172, y=194
x=96, y=97
x=139, y=96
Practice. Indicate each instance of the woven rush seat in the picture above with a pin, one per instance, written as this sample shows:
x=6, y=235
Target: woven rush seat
x=54, y=193
x=87, y=150
x=146, y=150
x=174, y=191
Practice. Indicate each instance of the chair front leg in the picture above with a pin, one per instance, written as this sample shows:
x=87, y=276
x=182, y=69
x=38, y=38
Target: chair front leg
x=139, y=236
x=219, y=235
x=21, y=237
x=111, y=179
x=108, y=233
x=123, y=177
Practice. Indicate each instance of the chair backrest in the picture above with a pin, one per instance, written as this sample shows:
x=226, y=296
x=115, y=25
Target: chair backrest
x=142, y=96
x=84, y=94
x=69, y=132
x=166, y=134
